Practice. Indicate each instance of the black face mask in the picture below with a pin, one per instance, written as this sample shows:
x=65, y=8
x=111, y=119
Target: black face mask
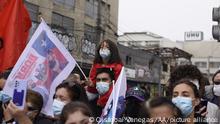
x=132, y=109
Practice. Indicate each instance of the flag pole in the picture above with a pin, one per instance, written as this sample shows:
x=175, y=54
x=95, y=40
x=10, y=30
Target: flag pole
x=113, y=104
x=81, y=71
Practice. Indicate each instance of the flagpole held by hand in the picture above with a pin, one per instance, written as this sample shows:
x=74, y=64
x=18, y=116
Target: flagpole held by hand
x=81, y=71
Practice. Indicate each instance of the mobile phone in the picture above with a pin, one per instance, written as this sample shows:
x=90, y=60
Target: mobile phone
x=19, y=94
x=203, y=103
x=18, y=97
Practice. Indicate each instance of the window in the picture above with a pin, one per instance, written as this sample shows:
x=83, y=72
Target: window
x=165, y=67
x=90, y=32
x=105, y=12
x=201, y=64
x=91, y=8
x=63, y=28
x=128, y=60
x=64, y=23
x=214, y=64
x=67, y=3
x=89, y=44
x=33, y=11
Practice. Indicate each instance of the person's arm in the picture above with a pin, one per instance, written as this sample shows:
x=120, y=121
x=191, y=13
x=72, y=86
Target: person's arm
x=19, y=115
x=92, y=79
x=92, y=74
x=7, y=116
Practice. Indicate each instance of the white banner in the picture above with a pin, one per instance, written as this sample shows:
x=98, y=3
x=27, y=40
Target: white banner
x=44, y=64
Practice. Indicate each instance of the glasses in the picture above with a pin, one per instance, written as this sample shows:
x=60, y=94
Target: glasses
x=102, y=79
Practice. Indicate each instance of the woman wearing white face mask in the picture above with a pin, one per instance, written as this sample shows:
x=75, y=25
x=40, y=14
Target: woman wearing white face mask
x=185, y=96
x=65, y=93
x=107, y=56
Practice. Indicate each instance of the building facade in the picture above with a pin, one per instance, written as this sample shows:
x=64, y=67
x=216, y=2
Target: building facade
x=205, y=55
x=168, y=51
x=144, y=40
x=79, y=24
x=142, y=68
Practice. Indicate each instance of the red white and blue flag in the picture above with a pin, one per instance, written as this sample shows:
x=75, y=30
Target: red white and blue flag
x=115, y=104
x=44, y=64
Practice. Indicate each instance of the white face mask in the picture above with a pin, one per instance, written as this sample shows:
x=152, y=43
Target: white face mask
x=195, y=82
x=102, y=87
x=104, y=53
x=216, y=90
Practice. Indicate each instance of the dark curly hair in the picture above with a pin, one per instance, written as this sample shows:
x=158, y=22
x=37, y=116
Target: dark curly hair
x=114, y=57
x=190, y=72
x=189, y=83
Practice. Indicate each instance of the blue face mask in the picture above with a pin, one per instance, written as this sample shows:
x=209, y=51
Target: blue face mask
x=4, y=97
x=57, y=107
x=184, y=104
x=102, y=87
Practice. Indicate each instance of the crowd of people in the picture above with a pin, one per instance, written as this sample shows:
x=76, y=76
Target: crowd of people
x=190, y=97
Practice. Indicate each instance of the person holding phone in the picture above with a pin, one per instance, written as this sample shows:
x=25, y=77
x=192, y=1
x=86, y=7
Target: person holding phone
x=192, y=73
x=28, y=115
x=185, y=96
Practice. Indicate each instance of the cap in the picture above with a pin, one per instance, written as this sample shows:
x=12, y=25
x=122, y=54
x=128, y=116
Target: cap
x=136, y=93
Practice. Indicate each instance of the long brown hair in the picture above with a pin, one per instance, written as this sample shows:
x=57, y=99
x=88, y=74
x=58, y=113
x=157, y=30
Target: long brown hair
x=114, y=57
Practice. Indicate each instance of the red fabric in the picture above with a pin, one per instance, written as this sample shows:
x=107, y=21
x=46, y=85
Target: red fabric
x=116, y=68
x=14, y=30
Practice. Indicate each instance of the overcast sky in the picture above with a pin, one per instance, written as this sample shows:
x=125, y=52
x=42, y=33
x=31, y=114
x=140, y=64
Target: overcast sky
x=168, y=18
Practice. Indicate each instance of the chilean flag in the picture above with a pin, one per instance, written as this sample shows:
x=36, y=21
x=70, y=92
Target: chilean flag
x=43, y=65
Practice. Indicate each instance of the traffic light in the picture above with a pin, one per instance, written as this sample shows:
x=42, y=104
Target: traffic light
x=216, y=28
